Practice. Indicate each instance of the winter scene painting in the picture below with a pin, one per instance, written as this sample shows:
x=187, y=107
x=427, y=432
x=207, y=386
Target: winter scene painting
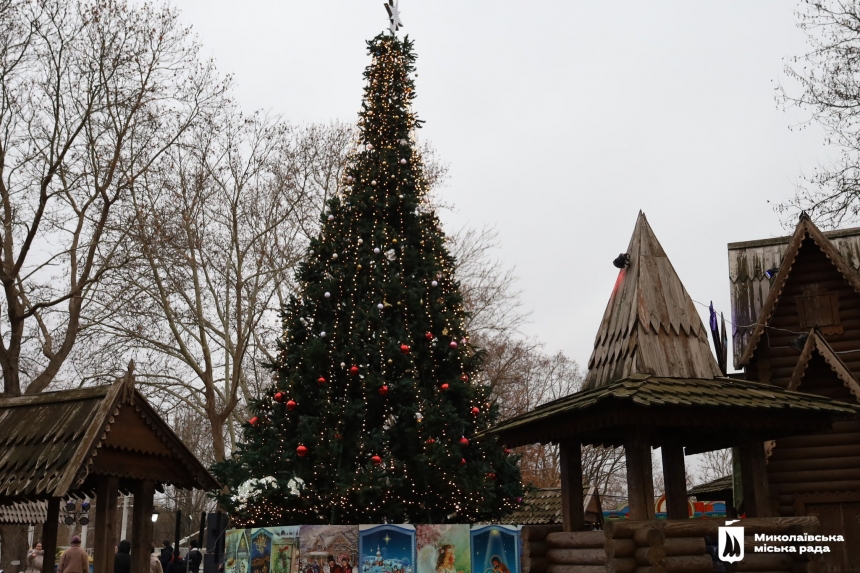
x=386, y=548
x=236, y=551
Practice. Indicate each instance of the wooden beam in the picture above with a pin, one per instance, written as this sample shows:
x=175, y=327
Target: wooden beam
x=640, y=481
x=570, y=460
x=754, y=478
x=49, y=535
x=105, y=526
x=141, y=525
x=675, y=480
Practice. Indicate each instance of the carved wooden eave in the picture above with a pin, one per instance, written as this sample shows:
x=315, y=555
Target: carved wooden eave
x=816, y=343
x=805, y=228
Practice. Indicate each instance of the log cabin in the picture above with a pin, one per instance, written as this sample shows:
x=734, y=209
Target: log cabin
x=796, y=314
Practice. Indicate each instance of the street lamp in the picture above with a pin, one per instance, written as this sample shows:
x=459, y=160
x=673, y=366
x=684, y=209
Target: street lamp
x=154, y=516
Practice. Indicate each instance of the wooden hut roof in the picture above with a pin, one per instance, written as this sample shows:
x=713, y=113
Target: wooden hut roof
x=650, y=325
x=754, y=294
x=718, y=485
x=816, y=344
x=544, y=507
x=704, y=413
x=50, y=443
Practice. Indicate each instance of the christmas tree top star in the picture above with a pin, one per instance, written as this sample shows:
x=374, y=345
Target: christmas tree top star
x=394, y=16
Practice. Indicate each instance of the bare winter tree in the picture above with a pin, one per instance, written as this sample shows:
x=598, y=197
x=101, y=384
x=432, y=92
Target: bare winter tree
x=828, y=76
x=217, y=228
x=92, y=94
x=714, y=465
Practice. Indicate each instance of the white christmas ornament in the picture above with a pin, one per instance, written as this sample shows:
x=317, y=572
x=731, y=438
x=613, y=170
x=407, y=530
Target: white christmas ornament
x=360, y=241
x=403, y=162
x=380, y=306
x=373, y=182
x=322, y=334
x=376, y=250
x=349, y=179
x=327, y=294
x=434, y=283
x=331, y=217
x=334, y=256
x=369, y=146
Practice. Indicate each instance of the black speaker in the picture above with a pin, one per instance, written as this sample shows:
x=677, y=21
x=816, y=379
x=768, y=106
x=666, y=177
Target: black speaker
x=215, y=527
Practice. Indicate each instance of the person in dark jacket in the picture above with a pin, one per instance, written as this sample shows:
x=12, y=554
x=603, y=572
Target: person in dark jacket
x=195, y=558
x=122, y=558
x=166, y=554
x=178, y=564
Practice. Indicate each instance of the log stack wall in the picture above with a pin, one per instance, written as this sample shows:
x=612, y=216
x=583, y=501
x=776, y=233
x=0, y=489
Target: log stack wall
x=689, y=546
x=534, y=547
x=576, y=552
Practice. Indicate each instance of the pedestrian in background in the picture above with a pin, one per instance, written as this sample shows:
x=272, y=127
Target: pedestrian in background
x=154, y=562
x=35, y=558
x=194, y=557
x=122, y=558
x=74, y=559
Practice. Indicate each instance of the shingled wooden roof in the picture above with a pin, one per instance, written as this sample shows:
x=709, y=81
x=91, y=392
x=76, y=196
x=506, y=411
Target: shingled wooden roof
x=748, y=287
x=816, y=344
x=702, y=413
x=650, y=325
x=52, y=444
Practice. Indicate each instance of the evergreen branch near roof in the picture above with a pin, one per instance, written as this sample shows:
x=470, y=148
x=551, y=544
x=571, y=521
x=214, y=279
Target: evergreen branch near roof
x=816, y=343
x=50, y=443
x=650, y=324
x=805, y=228
x=603, y=415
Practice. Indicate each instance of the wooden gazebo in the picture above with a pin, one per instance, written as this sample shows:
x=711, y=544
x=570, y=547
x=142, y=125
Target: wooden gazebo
x=93, y=442
x=653, y=382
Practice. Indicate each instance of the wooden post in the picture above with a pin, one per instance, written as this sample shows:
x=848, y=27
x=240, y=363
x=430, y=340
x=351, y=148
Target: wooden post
x=105, y=525
x=572, y=511
x=141, y=525
x=675, y=480
x=754, y=478
x=49, y=535
x=640, y=481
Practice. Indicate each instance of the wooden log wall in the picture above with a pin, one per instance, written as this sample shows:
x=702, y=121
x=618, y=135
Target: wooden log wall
x=688, y=546
x=534, y=547
x=576, y=552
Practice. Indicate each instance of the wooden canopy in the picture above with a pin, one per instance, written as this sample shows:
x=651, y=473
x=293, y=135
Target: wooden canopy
x=650, y=324
x=653, y=382
x=94, y=442
x=54, y=444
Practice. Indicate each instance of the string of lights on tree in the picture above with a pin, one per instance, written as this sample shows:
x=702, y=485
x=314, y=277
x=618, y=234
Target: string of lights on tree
x=376, y=406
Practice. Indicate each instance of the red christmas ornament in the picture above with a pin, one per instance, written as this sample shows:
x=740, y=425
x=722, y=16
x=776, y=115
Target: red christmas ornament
x=404, y=349
x=507, y=451
x=462, y=461
x=453, y=344
x=383, y=390
x=376, y=459
x=320, y=380
x=254, y=421
x=279, y=396
x=464, y=442
x=291, y=405
x=444, y=386
x=353, y=370
x=464, y=377
x=429, y=336
x=475, y=411
x=337, y=436
x=431, y=441
x=491, y=475
x=302, y=451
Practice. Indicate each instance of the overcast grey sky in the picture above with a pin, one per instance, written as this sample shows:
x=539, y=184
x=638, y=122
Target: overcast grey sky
x=560, y=120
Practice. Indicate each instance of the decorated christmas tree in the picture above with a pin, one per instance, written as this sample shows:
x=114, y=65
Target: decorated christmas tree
x=374, y=414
